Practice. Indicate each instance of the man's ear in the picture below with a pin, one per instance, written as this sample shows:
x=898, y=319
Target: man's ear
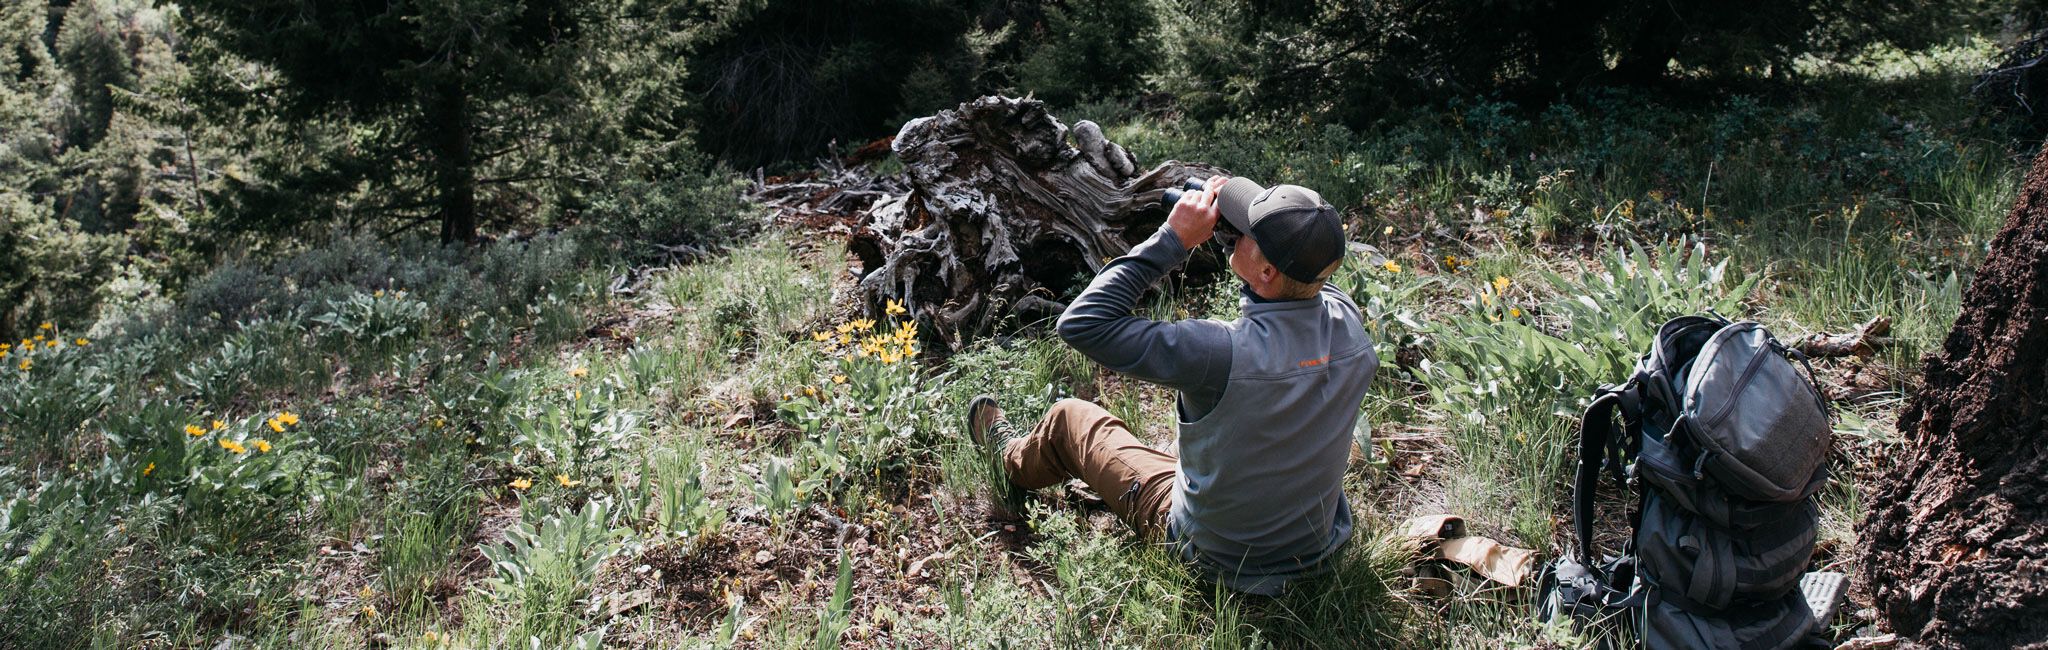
x=1269, y=275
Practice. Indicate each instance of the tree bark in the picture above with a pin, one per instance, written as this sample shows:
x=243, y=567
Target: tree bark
x=1004, y=218
x=454, y=162
x=1956, y=540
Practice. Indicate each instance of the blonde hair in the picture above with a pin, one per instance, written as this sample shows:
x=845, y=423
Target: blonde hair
x=1288, y=288
x=1292, y=289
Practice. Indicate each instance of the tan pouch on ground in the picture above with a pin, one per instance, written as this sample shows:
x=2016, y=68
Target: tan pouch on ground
x=1442, y=537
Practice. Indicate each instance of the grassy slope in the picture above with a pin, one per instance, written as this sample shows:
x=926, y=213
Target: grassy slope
x=666, y=478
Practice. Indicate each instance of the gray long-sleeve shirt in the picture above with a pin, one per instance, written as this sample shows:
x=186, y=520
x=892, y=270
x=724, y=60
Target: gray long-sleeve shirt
x=1190, y=356
x=1267, y=407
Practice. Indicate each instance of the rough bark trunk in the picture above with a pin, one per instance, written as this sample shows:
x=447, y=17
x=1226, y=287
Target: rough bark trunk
x=1955, y=545
x=1004, y=218
x=454, y=163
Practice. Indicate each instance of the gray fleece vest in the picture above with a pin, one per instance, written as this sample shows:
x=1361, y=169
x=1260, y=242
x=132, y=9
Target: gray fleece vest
x=1260, y=496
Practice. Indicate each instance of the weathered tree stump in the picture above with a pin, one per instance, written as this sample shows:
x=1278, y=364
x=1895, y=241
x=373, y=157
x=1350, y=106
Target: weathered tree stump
x=1004, y=217
x=1955, y=545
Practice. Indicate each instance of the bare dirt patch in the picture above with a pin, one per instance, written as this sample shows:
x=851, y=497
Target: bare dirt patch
x=789, y=571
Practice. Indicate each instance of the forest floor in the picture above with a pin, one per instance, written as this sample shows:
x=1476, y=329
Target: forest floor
x=531, y=446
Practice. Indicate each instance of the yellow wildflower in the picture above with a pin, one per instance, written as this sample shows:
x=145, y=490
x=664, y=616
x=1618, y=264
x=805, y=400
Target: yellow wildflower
x=1500, y=284
x=889, y=358
x=909, y=350
x=1514, y=312
x=839, y=379
x=440, y=423
x=1486, y=298
x=46, y=326
x=845, y=328
x=232, y=446
x=863, y=324
x=895, y=308
x=82, y=342
x=194, y=431
x=821, y=336
x=262, y=445
x=52, y=343
x=368, y=611
x=25, y=365
x=377, y=294
x=289, y=418
x=564, y=480
x=810, y=391
x=845, y=339
x=521, y=484
x=579, y=371
x=1389, y=232
x=218, y=425
x=1391, y=266
x=150, y=468
x=576, y=396
x=275, y=425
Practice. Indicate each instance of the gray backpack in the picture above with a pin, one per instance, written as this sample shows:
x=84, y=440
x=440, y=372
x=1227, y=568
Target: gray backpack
x=1724, y=444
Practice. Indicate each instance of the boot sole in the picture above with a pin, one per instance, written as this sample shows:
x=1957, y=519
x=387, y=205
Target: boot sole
x=974, y=408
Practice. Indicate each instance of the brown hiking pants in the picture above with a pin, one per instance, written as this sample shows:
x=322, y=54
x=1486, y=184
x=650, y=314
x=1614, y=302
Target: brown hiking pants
x=1078, y=439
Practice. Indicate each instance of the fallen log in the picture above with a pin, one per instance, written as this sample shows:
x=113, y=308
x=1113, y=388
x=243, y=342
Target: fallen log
x=1863, y=342
x=1007, y=215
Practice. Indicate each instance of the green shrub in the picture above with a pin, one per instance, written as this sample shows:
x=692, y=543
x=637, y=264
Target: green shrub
x=378, y=322
x=1358, y=63
x=674, y=486
x=49, y=266
x=689, y=204
x=548, y=562
x=568, y=431
x=1090, y=49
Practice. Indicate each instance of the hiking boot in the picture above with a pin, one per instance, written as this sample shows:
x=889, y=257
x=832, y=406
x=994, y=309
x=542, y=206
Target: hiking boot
x=992, y=434
x=987, y=427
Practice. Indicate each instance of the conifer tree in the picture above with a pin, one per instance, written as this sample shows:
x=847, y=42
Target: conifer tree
x=426, y=95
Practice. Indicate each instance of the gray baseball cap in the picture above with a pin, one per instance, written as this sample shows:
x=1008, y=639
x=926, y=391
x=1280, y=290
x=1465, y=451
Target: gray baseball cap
x=1296, y=230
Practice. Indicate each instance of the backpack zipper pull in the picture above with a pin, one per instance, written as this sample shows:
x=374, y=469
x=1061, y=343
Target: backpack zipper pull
x=1699, y=467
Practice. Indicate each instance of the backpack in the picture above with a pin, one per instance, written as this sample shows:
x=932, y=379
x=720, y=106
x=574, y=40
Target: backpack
x=1724, y=444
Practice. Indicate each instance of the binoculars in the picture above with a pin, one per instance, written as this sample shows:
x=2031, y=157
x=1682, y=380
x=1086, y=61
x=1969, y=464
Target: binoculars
x=1174, y=193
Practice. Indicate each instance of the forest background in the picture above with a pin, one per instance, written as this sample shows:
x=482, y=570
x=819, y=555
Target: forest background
x=453, y=322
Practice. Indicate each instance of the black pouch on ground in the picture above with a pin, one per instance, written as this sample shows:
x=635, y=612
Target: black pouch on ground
x=1720, y=447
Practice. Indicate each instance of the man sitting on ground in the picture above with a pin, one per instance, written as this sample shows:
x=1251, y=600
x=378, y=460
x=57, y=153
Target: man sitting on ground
x=1254, y=498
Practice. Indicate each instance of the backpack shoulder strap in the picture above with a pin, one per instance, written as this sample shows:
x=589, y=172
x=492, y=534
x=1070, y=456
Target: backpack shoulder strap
x=1596, y=437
